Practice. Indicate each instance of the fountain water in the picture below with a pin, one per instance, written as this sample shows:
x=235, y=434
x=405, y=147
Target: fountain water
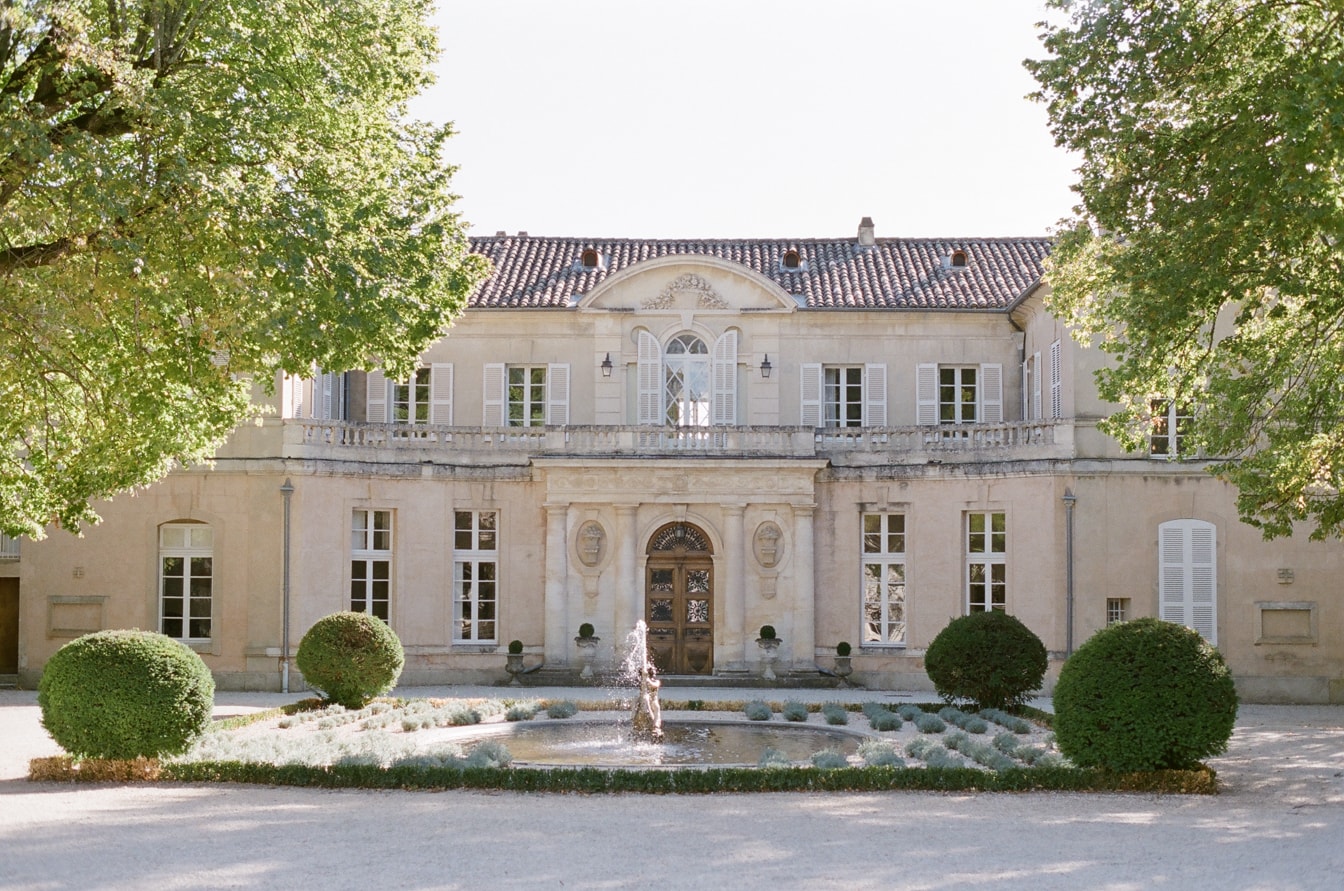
x=646, y=725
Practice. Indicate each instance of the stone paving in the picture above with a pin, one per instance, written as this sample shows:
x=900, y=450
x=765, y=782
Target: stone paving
x=1279, y=824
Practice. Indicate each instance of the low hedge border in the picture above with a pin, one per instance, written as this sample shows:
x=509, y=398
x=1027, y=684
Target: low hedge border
x=599, y=780
x=699, y=780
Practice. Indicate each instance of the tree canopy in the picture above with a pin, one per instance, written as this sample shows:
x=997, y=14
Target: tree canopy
x=194, y=196
x=1207, y=255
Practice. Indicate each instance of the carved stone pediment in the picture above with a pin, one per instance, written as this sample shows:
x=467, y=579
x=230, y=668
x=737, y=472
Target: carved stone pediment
x=685, y=292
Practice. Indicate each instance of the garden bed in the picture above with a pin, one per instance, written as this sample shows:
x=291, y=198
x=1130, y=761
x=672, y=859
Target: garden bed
x=429, y=744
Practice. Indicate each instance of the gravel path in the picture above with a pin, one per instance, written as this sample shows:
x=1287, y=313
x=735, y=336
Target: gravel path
x=1279, y=825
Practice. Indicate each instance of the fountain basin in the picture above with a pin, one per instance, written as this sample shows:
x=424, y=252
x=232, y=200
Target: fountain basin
x=685, y=743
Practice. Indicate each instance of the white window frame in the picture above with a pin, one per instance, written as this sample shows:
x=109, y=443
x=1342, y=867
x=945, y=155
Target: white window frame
x=842, y=396
x=986, y=560
x=1172, y=418
x=475, y=576
x=382, y=396
x=188, y=542
x=885, y=595
x=1117, y=610
x=819, y=406
x=1187, y=578
x=371, y=562
x=930, y=402
x=525, y=400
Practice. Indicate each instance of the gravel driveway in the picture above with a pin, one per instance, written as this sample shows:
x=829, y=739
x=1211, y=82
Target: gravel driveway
x=1278, y=825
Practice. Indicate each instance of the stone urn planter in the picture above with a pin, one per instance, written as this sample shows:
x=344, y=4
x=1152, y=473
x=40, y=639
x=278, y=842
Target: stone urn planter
x=587, y=645
x=843, y=668
x=769, y=645
x=513, y=662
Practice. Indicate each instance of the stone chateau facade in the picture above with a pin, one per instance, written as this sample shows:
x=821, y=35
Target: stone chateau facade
x=852, y=439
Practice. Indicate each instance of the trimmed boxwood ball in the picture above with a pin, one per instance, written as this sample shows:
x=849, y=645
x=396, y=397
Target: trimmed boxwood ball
x=1144, y=695
x=125, y=694
x=351, y=657
x=990, y=659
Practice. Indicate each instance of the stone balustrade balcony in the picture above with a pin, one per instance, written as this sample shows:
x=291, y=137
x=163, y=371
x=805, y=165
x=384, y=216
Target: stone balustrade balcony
x=399, y=443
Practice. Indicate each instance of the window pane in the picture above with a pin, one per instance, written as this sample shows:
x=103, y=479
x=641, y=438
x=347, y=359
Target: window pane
x=872, y=533
x=172, y=587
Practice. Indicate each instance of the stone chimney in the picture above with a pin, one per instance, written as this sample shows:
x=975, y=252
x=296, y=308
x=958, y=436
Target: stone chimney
x=866, y=236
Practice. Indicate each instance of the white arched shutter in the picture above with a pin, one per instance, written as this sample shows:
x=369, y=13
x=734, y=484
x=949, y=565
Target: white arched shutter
x=926, y=394
x=650, y=380
x=376, y=398
x=810, y=397
x=494, y=395
x=557, y=395
x=1187, y=582
x=991, y=394
x=725, y=379
x=1036, y=387
x=441, y=393
x=875, y=395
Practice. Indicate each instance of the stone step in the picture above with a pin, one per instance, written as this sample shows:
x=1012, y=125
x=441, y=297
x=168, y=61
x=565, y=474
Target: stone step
x=9, y=681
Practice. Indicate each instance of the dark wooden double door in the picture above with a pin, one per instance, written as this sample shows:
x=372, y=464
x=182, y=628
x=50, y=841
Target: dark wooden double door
x=679, y=610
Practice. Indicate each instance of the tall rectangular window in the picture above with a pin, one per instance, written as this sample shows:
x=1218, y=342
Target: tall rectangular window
x=371, y=562
x=527, y=396
x=186, y=580
x=475, y=574
x=986, y=561
x=410, y=399
x=957, y=394
x=1171, y=425
x=884, y=594
x=843, y=396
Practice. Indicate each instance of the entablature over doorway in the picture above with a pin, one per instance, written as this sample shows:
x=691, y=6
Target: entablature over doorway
x=673, y=480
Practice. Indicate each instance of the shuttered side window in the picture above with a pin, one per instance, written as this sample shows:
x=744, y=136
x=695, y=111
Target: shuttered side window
x=724, y=410
x=1187, y=575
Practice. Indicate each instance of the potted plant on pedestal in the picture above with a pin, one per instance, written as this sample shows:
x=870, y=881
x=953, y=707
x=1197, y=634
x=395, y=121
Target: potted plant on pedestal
x=587, y=644
x=769, y=644
x=513, y=662
x=843, y=669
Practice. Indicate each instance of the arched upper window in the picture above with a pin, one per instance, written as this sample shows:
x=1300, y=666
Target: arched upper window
x=792, y=260
x=186, y=580
x=686, y=382
x=958, y=259
x=590, y=259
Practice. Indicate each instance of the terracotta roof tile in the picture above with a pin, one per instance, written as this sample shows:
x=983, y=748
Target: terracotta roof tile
x=896, y=273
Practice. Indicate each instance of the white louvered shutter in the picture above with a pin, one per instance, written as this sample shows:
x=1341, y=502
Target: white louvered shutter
x=926, y=394
x=875, y=395
x=1036, y=387
x=650, y=380
x=441, y=393
x=557, y=395
x=810, y=396
x=1056, y=382
x=725, y=379
x=295, y=385
x=1203, y=587
x=494, y=394
x=991, y=394
x=376, y=398
x=1187, y=584
x=326, y=382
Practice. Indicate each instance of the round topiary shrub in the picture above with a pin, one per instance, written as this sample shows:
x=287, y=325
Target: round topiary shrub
x=125, y=694
x=1144, y=695
x=350, y=657
x=990, y=659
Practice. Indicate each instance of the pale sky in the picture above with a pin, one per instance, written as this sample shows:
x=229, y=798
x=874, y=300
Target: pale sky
x=742, y=118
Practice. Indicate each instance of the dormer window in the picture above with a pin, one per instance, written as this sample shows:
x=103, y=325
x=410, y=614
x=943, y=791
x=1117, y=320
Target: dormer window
x=792, y=261
x=590, y=259
x=957, y=260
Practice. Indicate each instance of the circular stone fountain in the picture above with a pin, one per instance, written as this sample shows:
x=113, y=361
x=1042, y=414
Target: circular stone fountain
x=643, y=738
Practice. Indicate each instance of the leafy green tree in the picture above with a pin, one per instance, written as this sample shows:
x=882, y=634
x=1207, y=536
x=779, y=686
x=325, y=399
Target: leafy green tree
x=1207, y=256
x=196, y=195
